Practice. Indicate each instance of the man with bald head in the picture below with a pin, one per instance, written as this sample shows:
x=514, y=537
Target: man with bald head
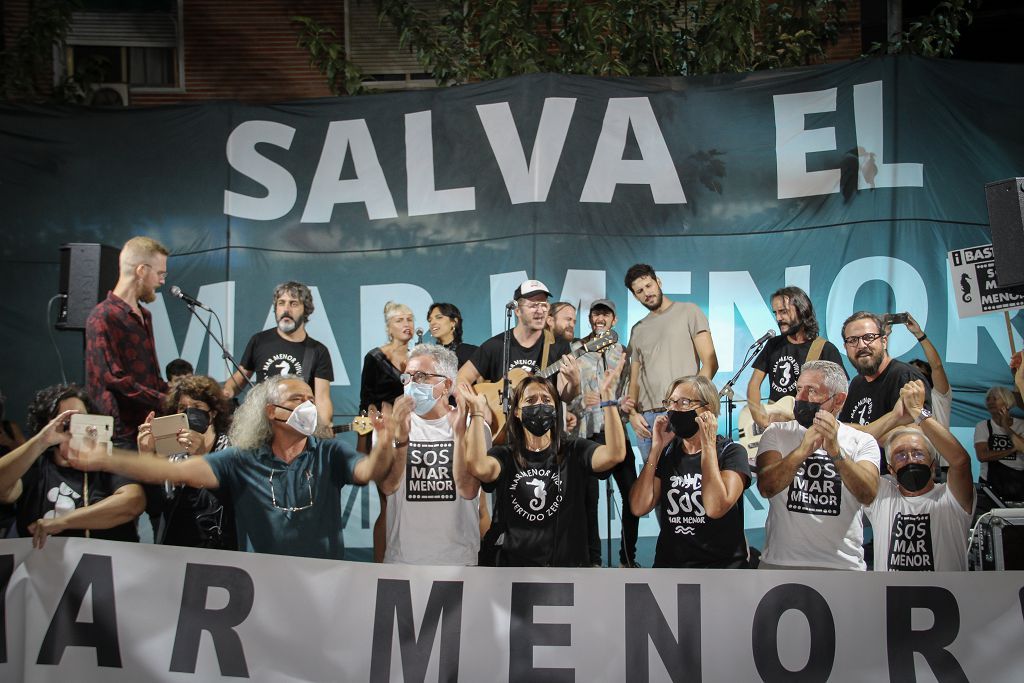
x=285, y=483
x=122, y=375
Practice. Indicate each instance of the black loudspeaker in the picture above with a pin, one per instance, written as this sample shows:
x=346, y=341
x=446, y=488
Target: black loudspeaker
x=87, y=273
x=1006, y=216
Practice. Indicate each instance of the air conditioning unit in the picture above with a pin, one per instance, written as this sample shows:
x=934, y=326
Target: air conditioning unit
x=108, y=95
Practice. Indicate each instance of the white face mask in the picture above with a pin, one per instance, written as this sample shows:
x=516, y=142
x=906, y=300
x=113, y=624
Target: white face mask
x=422, y=396
x=303, y=418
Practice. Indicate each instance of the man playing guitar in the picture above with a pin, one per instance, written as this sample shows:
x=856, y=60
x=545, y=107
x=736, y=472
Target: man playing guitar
x=531, y=347
x=780, y=361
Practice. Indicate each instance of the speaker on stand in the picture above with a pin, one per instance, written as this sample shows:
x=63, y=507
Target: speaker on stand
x=1005, y=200
x=87, y=272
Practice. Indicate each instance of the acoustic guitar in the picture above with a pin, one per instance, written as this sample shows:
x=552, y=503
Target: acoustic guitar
x=750, y=432
x=493, y=390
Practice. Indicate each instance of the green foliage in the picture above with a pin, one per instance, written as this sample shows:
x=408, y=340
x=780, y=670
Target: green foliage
x=469, y=40
x=327, y=56
x=935, y=35
x=27, y=62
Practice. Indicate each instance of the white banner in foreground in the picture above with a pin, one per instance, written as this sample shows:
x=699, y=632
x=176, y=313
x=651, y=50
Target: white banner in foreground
x=82, y=610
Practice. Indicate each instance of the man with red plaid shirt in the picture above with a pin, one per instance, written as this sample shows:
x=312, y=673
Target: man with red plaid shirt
x=121, y=371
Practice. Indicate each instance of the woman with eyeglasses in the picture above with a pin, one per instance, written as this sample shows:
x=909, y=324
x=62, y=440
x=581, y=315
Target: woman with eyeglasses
x=196, y=518
x=697, y=477
x=539, y=478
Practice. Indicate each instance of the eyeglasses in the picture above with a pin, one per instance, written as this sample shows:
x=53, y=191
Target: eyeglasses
x=908, y=456
x=868, y=339
x=812, y=393
x=536, y=305
x=683, y=403
x=418, y=377
x=273, y=495
x=159, y=273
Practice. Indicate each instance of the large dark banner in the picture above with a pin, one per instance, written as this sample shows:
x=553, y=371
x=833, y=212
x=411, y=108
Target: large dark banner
x=852, y=181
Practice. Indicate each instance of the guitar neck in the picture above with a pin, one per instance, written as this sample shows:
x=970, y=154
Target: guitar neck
x=340, y=429
x=554, y=367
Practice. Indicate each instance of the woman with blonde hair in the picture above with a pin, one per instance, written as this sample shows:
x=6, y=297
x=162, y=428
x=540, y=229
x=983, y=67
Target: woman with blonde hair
x=382, y=383
x=383, y=366
x=698, y=478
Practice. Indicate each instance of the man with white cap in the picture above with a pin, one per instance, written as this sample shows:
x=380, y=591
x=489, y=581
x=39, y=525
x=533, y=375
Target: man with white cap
x=530, y=347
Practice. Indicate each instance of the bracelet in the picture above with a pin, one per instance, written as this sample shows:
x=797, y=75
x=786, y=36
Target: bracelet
x=395, y=443
x=472, y=415
x=922, y=338
x=609, y=404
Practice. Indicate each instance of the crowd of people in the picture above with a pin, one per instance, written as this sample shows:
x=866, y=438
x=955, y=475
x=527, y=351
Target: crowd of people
x=468, y=473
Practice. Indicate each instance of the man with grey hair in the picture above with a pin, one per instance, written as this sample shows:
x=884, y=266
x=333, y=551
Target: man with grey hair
x=285, y=483
x=122, y=375
x=920, y=525
x=816, y=473
x=286, y=349
x=432, y=502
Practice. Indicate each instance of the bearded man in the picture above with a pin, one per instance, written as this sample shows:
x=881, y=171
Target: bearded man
x=873, y=402
x=122, y=376
x=286, y=349
x=672, y=341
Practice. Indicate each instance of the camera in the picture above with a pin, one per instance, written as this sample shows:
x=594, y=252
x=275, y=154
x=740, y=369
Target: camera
x=897, y=318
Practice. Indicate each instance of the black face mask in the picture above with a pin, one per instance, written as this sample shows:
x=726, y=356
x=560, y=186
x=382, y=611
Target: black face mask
x=915, y=476
x=198, y=420
x=684, y=422
x=539, y=418
x=804, y=412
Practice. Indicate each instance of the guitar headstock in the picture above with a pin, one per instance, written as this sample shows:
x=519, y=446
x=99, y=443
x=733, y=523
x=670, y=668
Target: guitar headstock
x=362, y=425
x=601, y=341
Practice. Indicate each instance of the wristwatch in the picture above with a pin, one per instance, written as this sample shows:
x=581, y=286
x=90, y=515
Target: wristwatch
x=922, y=416
x=838, y=456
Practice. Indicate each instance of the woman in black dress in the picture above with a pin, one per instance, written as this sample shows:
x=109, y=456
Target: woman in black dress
x=382, y=383
x=383, y=366
x=445, y=322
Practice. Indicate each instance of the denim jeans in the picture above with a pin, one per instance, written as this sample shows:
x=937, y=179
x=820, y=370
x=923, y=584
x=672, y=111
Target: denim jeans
x=644, y=445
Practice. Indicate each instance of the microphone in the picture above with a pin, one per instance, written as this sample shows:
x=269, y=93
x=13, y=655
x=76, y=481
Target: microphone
x=190, y=300
x=419, y=336
x=764, y=337
x=511, y=306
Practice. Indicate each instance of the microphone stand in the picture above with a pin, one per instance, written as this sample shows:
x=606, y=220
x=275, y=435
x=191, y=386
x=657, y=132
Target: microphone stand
x=226, y=355
x=506, y=351
x=727, y=391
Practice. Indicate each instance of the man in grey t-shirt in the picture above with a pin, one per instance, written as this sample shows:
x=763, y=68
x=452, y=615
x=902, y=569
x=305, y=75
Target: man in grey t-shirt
x=672, y=341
